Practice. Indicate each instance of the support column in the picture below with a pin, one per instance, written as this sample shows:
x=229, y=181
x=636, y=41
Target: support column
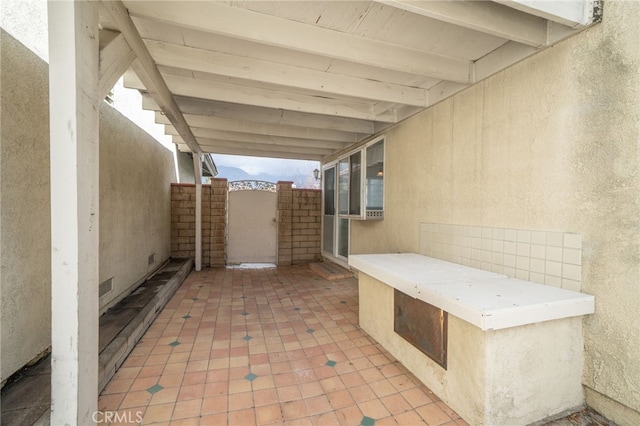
x=197, y=171
x=73, y=98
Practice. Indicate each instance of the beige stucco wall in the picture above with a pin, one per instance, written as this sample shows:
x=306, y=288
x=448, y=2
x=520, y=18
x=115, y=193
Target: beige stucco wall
x=550, y=143
x=493, y=377
x=25, y=292
x=135, y=205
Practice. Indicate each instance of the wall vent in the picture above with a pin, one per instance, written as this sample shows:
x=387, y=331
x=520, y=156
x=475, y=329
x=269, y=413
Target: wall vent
x=152, y=259
x=105, y=286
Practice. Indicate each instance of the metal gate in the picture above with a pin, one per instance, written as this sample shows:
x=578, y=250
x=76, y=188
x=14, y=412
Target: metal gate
x=252, y=225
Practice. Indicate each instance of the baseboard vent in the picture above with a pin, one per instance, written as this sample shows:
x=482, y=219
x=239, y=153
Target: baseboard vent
x=105, y=286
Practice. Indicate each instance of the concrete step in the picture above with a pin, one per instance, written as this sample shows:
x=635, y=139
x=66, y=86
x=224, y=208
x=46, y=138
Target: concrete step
x=330, y=271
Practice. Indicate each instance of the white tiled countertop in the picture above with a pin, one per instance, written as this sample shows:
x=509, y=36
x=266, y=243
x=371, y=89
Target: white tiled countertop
x=487, y=300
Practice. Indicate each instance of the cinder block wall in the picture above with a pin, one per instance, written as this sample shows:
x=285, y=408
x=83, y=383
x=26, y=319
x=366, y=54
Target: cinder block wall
x=285, y=204
x=299, y=224
x=305, y=225
x=218, y=228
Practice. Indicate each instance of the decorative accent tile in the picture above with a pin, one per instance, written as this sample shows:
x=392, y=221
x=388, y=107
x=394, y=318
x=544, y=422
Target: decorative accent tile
x=244, y=314
x=330, y=363
x=194, y=298
x=367, y=421
x=343, y=301
x=186, y=316
x=155, y=388
x=247, y=337
x=310, y=330
x=251, y=377
x=296, y=309
x=174, y=343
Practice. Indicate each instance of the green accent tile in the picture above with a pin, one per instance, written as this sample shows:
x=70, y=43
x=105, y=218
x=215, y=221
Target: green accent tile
x=155, y=388
x=310, y=330
x=174, y=343
x=296, y=309
x=186, y=316
x=247, y=337
x=250, y=377
x=194, y=299
x=342, y=301
x=327, y=288
x=244, y=314
x=367, y=421
x=330, y=363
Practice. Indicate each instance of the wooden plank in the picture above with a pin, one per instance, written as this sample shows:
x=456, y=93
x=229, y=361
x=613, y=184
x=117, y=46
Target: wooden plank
x=269, y=129
x=146, y=70
x=235, y=111
x=285, y=75
x=253, y=96
x=115, y=57
x=275, y=31
x=239, y=147
x=74, y=171
x=575, y=14
x=261, y=139
x=484, y=16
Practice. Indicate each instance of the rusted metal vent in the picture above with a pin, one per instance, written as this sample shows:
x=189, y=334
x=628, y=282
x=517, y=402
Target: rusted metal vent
x=423, y=325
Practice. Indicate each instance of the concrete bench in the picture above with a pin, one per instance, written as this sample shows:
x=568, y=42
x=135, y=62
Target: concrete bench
x=514, y=347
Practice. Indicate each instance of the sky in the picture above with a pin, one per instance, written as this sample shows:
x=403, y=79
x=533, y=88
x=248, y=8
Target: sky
x=259, y=165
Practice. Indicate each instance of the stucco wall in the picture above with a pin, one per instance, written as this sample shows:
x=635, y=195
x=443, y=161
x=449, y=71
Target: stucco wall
x=550, y=143
x=135, y=205
x=25, y=240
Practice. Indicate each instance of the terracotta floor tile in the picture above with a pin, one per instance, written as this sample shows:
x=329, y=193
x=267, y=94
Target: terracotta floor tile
x=396, y=404
x=340, y=399
x=268, y=414
x=191, y=392
x=242, y=417
x=288, y=393
x=204, y=377
x=373, y=408
x=433, y=414
x=164, y=396
x=416, y=397
x=240, y=401
x=294, y=410
x=318, y=404
x=158, y=413
x=136, y=399
x=117, y=386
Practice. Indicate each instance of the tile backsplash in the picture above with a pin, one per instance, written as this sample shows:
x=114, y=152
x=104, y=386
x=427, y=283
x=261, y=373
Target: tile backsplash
x=546, y=257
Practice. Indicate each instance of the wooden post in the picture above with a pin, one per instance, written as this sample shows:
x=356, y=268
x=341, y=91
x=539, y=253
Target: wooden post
x=74, y=104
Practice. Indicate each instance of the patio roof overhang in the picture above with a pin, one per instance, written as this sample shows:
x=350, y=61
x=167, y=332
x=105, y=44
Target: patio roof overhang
x=304, y=80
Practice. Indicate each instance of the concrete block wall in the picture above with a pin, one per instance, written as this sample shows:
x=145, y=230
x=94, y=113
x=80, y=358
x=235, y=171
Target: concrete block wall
x=299, y=224
x=218, y=222
x=285, y=204
x=305, y=225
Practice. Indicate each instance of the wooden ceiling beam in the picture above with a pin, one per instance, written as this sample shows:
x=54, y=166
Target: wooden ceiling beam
x=147, y=71
x=270, y=30
x=282, y=130
x=483, y=16
x=254, y=96
x=295, y=77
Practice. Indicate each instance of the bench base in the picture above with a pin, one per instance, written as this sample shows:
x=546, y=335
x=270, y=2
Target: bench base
x=517, y=375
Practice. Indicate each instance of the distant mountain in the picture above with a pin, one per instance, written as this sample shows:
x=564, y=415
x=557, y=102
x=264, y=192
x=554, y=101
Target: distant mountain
x=233, y=173
x=236, y=173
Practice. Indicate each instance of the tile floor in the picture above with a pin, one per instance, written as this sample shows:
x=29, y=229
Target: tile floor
x=265, y=346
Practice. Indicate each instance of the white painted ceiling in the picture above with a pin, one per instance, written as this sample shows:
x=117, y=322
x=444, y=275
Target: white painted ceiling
x=306, y=79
